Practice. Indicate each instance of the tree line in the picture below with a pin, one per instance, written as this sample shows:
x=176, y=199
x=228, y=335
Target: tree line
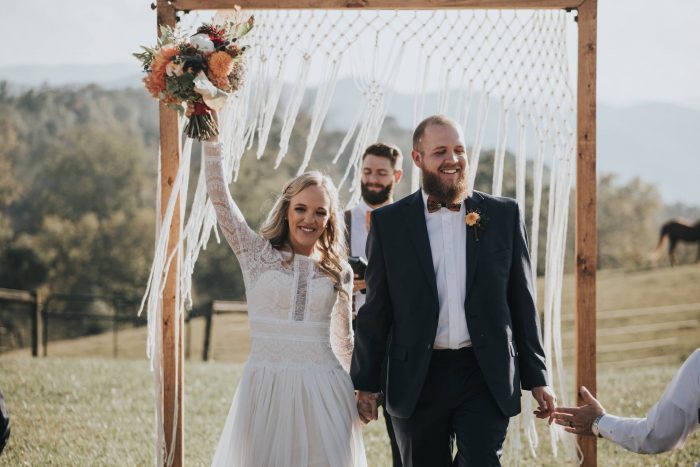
x=77, y=195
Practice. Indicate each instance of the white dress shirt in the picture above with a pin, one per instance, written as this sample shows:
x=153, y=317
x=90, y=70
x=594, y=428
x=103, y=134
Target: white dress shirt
x=668, y=423
x=447, y=233
x=359, y=229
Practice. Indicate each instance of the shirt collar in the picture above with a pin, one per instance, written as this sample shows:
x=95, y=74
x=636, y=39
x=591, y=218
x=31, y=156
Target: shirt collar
x=425, y=201
x=364, y=206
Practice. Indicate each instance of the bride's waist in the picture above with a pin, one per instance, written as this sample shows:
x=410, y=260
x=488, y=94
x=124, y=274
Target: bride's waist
x=279, y=351
x=282, y=330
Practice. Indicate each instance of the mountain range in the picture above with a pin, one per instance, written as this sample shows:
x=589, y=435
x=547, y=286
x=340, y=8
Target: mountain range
x=658, y=142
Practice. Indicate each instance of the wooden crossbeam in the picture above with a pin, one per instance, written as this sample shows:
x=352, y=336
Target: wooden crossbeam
x=225, y=306
x=373, y=4
x=17, y=296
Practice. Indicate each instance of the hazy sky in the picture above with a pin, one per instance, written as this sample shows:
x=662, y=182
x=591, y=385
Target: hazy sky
x=648, y=50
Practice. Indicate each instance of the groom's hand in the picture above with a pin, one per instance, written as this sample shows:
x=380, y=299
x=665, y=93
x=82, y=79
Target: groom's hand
x=367, y=403
x=546, y=402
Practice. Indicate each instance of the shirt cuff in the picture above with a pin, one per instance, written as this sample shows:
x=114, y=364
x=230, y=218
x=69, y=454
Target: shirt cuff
x=607, y=424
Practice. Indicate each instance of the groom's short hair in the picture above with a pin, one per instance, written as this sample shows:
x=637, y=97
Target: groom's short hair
x=418, y=134
x=388, y=151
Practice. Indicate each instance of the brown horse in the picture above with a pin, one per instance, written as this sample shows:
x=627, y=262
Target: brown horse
x=676, y=231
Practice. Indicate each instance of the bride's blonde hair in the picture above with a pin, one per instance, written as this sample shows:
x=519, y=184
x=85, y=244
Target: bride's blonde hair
x=331, y=243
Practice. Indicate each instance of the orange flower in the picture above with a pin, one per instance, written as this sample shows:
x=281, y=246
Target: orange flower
x=472, y=218
x=155, y=80
x=220, y=66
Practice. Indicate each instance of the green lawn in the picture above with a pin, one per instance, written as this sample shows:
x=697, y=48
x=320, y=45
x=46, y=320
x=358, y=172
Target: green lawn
x=99, y=412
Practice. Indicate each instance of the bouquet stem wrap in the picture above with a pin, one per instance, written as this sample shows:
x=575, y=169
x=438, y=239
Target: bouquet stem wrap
x=201, y=125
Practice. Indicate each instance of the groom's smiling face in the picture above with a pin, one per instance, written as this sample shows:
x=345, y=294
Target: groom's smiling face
x=442, y=158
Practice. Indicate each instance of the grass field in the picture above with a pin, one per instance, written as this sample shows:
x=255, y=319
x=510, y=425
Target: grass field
x=75, y=412
x=99, y=410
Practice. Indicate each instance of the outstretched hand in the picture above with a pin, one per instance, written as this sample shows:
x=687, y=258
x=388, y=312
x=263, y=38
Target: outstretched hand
x=367, y=405
x=546, y=402
x=579, y=420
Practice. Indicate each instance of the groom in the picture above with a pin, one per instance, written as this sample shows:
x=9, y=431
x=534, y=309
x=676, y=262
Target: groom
x=449, y=287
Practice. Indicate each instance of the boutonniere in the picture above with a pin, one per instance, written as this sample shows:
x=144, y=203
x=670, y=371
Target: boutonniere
x=477, y=220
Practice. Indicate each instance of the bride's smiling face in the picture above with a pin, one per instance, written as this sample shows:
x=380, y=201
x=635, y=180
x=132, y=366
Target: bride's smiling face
x=308, y=214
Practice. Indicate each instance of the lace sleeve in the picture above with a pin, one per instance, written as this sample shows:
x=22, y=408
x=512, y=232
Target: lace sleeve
x=342, y=339
x=243, y=240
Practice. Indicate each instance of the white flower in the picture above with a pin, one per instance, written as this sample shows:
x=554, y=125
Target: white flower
x=214, y=97
x=202, y=42
x=173, y=69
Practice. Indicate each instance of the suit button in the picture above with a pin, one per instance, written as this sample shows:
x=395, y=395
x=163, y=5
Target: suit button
x=430, y=346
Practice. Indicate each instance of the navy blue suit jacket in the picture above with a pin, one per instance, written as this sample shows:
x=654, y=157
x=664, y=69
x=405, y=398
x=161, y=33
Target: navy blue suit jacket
x=402, y=306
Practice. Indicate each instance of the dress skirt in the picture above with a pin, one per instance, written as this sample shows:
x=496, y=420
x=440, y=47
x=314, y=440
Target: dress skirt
x=292, y=417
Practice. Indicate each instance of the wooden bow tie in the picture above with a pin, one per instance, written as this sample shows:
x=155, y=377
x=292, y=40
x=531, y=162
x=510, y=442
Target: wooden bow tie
x=436, y=205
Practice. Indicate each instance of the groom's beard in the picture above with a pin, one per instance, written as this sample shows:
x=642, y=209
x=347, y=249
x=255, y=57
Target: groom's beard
x=445, y=192
x=375, y=198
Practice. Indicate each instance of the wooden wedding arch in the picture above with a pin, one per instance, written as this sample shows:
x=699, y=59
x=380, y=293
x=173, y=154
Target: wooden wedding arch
x=586, y=234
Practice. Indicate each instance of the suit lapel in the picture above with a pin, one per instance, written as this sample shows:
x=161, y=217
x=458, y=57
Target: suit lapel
x=419, y=234
x=472, y=245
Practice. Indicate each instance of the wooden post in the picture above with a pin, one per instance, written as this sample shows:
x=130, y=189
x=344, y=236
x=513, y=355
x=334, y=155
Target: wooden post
x=45, y=327
x=586, y=207
x=207, y=332
x=188, y=337
x=173, y=355
x=36, y=324
x=115, y=338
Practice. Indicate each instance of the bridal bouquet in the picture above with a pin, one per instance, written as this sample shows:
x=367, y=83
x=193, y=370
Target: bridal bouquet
x=202, y=69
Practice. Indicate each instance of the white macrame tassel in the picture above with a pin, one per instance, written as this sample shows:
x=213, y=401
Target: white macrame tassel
x=292, y=110
x=500, y=152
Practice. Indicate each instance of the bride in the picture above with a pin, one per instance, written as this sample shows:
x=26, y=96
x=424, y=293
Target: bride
x=295, y=403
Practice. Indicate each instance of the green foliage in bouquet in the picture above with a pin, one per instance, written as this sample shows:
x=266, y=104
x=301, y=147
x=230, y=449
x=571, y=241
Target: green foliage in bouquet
x=182, y=88
x=167, y=37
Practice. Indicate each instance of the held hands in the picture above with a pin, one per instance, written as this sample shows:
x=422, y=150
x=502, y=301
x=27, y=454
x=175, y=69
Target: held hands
x=367, y=404
x=358, y=284
x=546, y=402
x=578, y=420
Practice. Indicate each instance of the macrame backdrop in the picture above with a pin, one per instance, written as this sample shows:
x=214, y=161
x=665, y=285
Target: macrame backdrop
x=498, y=66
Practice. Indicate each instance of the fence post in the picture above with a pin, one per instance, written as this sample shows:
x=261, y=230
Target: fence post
x=188, y=334
x=115, y=326
x=35, y=316
x=45, y=325
x=207, y=332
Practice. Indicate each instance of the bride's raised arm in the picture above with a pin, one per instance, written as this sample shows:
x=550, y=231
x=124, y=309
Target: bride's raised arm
x=342, y=339
x=231, y=221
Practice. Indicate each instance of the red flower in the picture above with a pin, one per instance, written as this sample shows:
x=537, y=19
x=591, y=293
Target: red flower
x=218, y=41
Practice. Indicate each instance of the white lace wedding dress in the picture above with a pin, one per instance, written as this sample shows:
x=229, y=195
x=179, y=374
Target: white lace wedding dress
x=295, y=403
